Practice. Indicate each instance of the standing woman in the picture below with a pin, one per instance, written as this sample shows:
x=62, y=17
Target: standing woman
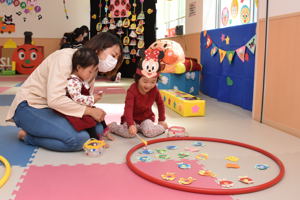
x=44, y=91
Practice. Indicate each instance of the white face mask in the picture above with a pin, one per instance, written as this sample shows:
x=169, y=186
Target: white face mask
x=108, y=64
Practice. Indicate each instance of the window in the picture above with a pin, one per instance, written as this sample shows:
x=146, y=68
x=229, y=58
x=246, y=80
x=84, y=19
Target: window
x=170, y=13
x=225, y=13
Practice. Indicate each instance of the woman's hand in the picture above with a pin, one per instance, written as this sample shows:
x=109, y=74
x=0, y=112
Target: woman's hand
x=132, y=130
x=97, y=113
x=163, y=124
x=98, y=96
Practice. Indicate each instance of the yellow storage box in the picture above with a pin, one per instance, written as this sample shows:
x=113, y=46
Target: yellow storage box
x=183, y=103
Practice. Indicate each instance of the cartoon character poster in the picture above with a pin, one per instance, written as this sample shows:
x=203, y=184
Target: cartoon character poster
x=237, y=12
x=234, y=8
x=6, y=24
x=245, y=14
x=225, y=16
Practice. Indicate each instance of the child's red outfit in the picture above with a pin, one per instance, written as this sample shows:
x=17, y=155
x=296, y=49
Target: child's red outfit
x=79, y=91
x=138, y=107
x=138, y=110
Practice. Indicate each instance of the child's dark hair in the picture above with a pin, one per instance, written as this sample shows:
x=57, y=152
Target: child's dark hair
x=84, y=57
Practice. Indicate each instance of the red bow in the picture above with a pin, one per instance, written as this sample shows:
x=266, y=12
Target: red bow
x=152, y=54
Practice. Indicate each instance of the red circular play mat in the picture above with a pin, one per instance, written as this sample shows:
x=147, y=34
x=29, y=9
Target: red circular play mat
x=204, y=190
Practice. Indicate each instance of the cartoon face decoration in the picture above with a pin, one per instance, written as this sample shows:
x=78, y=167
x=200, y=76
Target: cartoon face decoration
x=173, y=52
x=234, y=8
x=245, y=15
x=225, y=16
x=150, y=67
x=150, y=64
x=8, y=19
x=27, y=58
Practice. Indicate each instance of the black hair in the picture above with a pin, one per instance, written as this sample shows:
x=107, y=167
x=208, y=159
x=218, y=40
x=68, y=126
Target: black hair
x=67, y=37
x=66, y=40
x=76, y=33
x=84, y=57
x=85, y=30
x=105, y=40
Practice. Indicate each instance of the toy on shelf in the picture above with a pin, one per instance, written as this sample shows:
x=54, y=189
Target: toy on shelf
x=93, y=147
x=7, y=171
x=184, y=104
x=7, y=66
x=176, y=131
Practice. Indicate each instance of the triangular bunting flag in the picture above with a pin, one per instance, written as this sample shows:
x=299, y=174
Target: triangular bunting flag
x=222, y=55
x=252, y=44
x=213, y=50
x=241, y=53
x=208, y=41
x=230, y=55
x=204, y=33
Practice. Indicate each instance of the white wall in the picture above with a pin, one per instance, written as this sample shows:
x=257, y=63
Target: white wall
x=53, y=23
x=193, y=24
x=278, y=7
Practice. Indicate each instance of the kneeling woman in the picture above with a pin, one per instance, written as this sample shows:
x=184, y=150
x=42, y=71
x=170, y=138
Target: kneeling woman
x=44, y=91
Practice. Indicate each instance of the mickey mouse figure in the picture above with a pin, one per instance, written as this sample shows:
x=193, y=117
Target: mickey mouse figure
x=150, y=64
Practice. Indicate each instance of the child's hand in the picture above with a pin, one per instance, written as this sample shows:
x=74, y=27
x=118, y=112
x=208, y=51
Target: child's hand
x=98, y=96
x=97, y=113
x=163, y=124
x=132, y=130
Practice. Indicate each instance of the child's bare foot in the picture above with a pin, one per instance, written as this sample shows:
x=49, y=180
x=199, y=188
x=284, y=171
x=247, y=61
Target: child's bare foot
x=21, y=134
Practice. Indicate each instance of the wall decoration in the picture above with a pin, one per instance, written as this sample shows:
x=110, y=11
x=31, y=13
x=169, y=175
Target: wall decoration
x=65, y=9
x=229, y=79
x=213, y=50
x=251, y=45
x=241, y=53
x=129, y=20
x=234, y=8
x=119, y=8
x=27, y=56
x=225, y=16
x=6, y=24
x=240, y=12
x=141, y=16
x=230, y=55
x=25, y=7
x=222, y=54
x=245, y=14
